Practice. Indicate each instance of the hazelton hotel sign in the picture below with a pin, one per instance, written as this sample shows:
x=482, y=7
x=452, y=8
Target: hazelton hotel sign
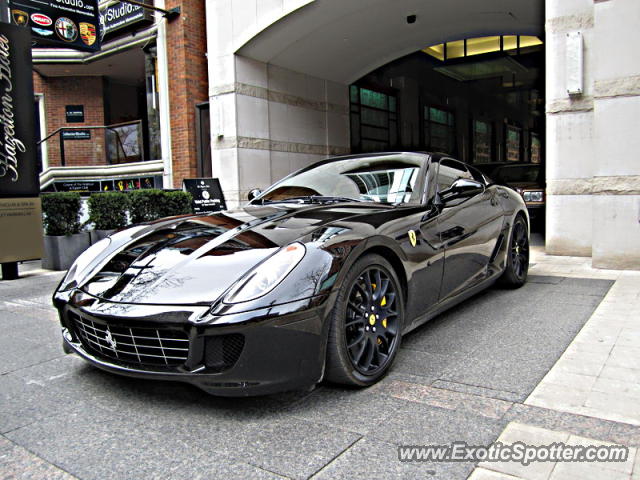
x=20, y=210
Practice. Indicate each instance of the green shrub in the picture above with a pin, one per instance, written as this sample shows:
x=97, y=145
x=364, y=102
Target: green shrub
x=151, y=204
x=176, y=203
x=146, y=205
x=108, y=211
x=61, y=213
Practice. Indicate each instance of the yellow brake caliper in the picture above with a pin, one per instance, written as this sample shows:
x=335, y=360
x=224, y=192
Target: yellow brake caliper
x=382, y=304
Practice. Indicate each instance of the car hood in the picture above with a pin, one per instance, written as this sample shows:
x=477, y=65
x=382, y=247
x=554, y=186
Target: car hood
x=195, y=259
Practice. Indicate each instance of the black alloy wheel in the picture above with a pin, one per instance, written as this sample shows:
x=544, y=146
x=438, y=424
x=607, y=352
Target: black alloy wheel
x=366, y=324
x=517, y=267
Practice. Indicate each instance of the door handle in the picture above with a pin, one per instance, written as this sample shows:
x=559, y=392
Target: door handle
x=452, y=233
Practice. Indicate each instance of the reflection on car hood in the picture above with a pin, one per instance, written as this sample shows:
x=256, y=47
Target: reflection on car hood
x=194, y=260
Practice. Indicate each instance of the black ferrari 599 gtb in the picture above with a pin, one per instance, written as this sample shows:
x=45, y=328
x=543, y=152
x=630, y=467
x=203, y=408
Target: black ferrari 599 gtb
x=318, y=277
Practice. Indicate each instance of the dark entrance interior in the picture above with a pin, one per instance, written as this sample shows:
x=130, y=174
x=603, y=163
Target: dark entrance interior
x=480, y=100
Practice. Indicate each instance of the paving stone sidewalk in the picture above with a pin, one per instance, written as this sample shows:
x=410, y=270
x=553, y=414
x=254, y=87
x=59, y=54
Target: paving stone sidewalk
x=484, y=371
x=597, y=380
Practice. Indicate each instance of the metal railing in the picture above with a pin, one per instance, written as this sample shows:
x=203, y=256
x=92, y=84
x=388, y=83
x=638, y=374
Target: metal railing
x=123, y=141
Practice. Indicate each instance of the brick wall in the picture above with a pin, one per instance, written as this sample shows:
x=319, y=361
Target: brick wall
x=186, y=44
x=61, y=91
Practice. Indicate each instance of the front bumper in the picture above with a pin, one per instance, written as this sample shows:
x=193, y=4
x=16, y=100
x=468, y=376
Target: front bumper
x=536, y=209
x=283, y=346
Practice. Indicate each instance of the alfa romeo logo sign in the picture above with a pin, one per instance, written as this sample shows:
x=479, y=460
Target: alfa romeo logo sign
x=66, y=29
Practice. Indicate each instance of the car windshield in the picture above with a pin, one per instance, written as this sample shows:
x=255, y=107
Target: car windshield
x=388, y=179
x=519, y=173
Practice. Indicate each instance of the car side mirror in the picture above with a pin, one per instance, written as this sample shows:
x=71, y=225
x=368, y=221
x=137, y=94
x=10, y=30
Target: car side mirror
x=254, y=193
x=462, y=188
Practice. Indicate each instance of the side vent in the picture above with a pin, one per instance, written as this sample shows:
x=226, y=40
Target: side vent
x=497, y=248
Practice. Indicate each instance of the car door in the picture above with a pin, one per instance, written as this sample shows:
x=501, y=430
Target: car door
x=468, y=227
x=417, y=233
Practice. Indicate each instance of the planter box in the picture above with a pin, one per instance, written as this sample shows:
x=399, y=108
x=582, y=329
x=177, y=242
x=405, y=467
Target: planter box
x=97, y=235
x=61, y=251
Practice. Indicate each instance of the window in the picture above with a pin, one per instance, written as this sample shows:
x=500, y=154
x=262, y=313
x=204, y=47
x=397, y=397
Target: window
x=513, y=138
x=439, y=130
x=535, y=154
x=450, y=171
x=482, y=141
x=374, y=120
x=481, y=45
x=478, y=175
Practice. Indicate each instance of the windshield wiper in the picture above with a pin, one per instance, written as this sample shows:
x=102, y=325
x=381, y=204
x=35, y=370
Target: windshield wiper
x=319, y=199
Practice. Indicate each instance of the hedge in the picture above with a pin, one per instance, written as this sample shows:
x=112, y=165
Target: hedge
x=61, y=213
x=108, y=211
x=151, y=204
x=177, y=203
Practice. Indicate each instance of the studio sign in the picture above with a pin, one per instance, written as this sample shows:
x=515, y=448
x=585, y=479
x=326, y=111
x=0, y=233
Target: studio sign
x=10, y=144
x=121, y=15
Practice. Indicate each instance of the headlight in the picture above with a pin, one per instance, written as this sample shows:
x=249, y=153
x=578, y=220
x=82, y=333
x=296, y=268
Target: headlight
x=82, y=262
x=266, y=276
x=532, y=196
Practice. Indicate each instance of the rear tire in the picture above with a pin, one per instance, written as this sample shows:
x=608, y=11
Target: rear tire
x=365, y=324
x=517, y=268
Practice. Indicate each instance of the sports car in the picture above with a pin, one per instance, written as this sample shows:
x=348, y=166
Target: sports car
x=317, y=277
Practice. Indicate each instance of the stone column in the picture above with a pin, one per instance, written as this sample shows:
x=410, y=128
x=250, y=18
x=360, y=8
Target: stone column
x=593, y=171
x=266, y=121
x=616, y=183
x=570, y=156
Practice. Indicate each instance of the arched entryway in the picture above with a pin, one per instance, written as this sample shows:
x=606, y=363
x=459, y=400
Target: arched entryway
x=280, y=79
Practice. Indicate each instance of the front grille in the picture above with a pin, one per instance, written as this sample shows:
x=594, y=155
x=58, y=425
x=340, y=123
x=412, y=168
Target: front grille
x=222, y=351
x=138, y=346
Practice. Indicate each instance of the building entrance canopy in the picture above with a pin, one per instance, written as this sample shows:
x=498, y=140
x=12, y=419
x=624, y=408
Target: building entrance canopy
x=342, y=40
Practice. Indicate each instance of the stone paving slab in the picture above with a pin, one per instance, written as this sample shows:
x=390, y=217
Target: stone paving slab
x=596, y=375
x=18, y=463
x=530, y=435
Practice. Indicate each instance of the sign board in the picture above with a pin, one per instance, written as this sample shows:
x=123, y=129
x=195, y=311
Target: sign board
x=207, y=194
x=20, y=209
x=63, y=23
x=106, y=185
x=74, y=113
x=120, y=15
x=76, y=134
x=78, y=186
x=18, y=164
x=21, y=222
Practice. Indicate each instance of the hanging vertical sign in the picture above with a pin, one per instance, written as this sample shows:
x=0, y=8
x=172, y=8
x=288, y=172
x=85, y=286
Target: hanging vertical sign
x=20, y=210
x=64, y=23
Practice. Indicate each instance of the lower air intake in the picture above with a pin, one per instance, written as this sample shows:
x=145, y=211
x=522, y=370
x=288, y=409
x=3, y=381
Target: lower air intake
x=222, y=351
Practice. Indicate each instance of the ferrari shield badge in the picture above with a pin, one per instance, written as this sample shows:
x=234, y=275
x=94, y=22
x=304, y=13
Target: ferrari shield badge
x=88, y=33
x=412, y=238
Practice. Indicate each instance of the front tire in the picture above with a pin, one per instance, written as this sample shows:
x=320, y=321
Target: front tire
x=517, y=268
x=366, y=324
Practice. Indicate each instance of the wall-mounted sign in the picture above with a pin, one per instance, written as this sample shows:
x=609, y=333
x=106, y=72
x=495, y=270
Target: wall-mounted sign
x=207, y=194
x=78, y=186
x=20, y=209
x=74, y=113
x=138, y=183
x=105, y=185
x=18, y=165
x=76, y=134
x=121, y=15
x=67, y=23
